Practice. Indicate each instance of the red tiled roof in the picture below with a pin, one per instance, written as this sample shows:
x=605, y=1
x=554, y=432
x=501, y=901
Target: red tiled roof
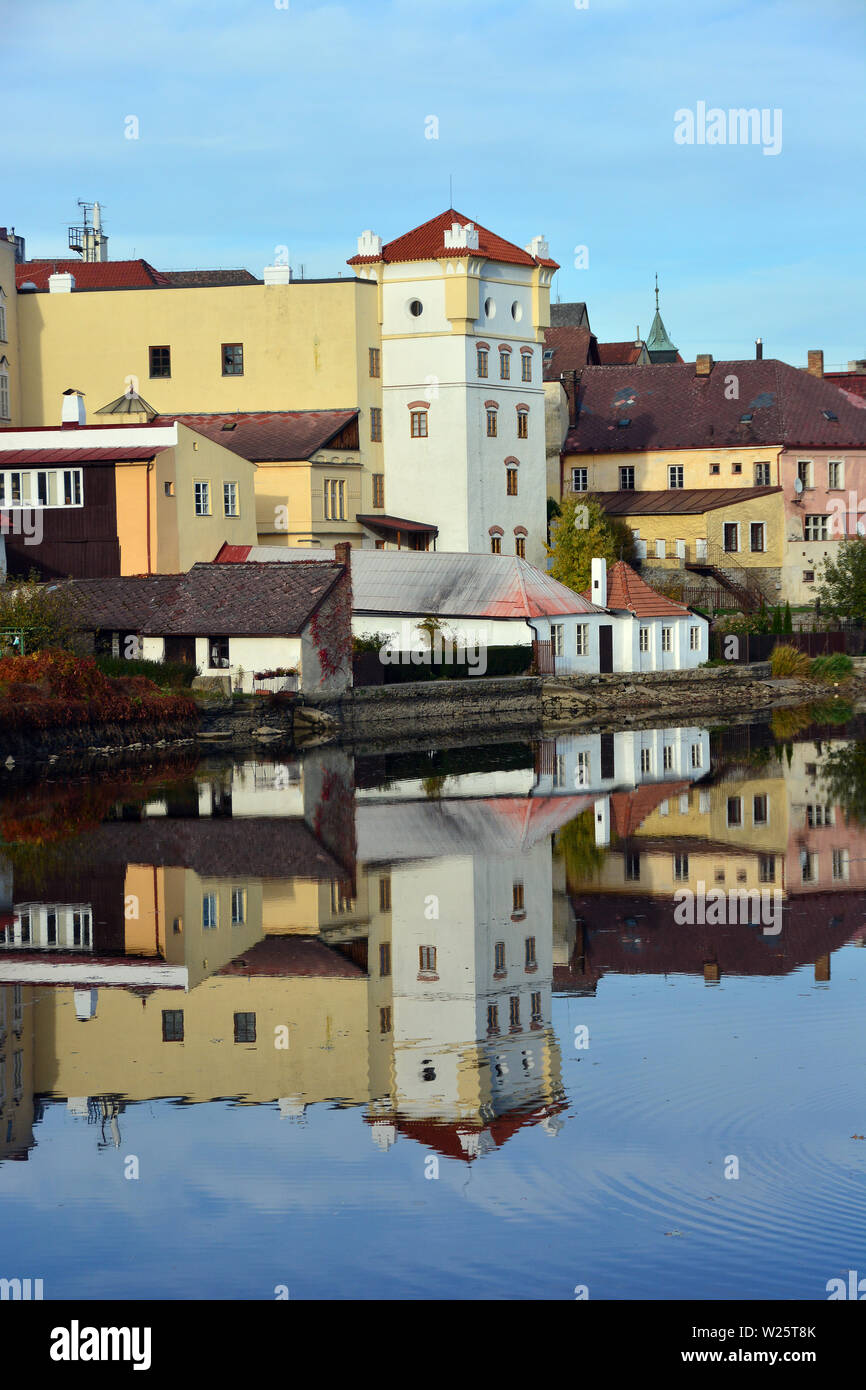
x=427, y=242
x=628, y=592
x=628, y=810
x=669, y=407
x=619, y=354
x=268, y=435
x=96, y=275
x=572, y=349
x=80, y=455
x=853, y=382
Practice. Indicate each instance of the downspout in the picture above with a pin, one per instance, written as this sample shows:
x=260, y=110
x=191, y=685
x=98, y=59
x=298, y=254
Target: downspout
x=147, y=490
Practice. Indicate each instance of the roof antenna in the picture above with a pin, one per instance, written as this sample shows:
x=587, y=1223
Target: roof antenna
x=451, y=192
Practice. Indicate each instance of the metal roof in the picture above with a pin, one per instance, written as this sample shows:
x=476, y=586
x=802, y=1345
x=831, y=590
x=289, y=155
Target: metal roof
x=439, y=583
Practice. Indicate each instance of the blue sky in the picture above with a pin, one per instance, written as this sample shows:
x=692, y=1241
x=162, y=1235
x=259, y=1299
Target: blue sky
x=300, y=126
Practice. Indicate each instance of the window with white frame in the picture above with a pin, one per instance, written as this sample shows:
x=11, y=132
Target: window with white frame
x=230, y=499
x=756, y=537
x=202, y=497
x=644, y=639
x=582, y=769
x=804, y=472
x=667, y=639
x=840, y=865
x=835, y=475
x=4, y=396
x=335, y=499
x=675, y=475
x=646, y=760
x=2, y=317
x=581, y=639
x=697, y=757
x=626, y=479
x=815, y=528
x=681, y=867
x=43, y=487
x=694, y=639
x=667, y=757
x=762, y=475
x=209, y=908
x=556, y=638
x=239, y=906
x=579, y=479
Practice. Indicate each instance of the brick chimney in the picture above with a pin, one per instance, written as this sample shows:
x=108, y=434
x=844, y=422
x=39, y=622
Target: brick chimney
x=815, y=362
x=703, y=364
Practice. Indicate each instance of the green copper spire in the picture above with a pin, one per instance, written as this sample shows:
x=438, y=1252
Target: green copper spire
x=659, y=345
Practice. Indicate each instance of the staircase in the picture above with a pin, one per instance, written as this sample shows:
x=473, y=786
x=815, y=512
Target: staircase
x=716, y=564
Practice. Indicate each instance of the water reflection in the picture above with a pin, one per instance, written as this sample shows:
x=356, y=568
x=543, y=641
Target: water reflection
x=388, y=933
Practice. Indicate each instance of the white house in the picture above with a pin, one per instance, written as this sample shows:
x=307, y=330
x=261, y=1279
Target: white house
x=463, y=316
x=651, y=632
x=238, y=622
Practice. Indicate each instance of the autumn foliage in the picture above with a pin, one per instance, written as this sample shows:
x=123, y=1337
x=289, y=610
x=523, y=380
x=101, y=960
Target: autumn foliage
x=54, y=689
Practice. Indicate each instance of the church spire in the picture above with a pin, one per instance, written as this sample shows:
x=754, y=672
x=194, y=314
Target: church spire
x=658, y=343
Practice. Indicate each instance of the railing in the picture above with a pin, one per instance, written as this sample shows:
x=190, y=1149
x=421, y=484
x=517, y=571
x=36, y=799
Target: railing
x=274, y=685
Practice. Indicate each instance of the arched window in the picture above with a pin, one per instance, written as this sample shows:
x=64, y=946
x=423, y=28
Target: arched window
x=520, y=542
x=418, y=419
x=495, y=534
x=491, y=408
x=526, y=364
x=523, y=422
x=483, y=354
x=504, y=362
x=511, y=467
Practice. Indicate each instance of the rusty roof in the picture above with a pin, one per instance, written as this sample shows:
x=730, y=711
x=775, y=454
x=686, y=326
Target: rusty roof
x=265, y=436
x=678, y=501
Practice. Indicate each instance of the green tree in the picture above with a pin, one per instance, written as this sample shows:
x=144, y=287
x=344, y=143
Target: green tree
x=41, y=613
x=584, y=532
x=842, y=582
x=777, y=621
x=788, y=625
x=843, y=772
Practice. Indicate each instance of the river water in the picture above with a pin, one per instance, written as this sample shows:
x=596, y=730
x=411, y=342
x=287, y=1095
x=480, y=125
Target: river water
x=579, y=1017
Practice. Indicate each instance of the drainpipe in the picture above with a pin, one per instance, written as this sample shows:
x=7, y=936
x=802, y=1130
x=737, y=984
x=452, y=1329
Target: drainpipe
x=147, y=490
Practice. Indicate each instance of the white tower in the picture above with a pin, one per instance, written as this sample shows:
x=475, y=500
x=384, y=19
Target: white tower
x=463, y=314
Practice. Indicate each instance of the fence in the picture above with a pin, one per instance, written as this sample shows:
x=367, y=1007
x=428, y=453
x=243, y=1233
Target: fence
x=758, y=646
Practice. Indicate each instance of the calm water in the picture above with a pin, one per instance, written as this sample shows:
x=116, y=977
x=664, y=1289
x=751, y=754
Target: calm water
x=441, y=1025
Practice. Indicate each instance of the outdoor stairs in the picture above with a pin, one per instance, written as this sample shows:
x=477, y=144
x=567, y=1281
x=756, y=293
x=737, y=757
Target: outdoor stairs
x=749, y=595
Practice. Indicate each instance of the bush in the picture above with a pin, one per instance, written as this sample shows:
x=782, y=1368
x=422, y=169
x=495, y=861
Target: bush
x=173, y=675
x=788, y=662
x=54, y=689
x=837, y=667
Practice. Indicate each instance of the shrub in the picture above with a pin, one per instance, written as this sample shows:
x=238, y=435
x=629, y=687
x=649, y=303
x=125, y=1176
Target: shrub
x=837, y=667
x=53, y=689
x=788, y=662
x=174, y=675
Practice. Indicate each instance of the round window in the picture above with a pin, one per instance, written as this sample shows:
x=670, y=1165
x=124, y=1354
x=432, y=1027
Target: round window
x=416, y=308
x=490, y=308
x=517, y=311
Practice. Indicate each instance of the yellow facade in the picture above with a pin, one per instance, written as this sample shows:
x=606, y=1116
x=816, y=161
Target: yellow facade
x=682, y=532
x=736, y=468
x=306, y=346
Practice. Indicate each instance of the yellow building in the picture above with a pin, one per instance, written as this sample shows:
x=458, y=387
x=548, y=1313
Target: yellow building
x=222, y=343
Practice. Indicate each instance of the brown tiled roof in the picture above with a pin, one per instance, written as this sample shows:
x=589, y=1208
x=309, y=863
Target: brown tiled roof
x=678, y=501
x=854, y=382
x=249, y=600
x=269, y=435
x=427, y=242
x=670, y=407
x=267, y=847
x=95, y=275
x=185, y=279
x=628, y=592
x=294, y=955
x=572, y=349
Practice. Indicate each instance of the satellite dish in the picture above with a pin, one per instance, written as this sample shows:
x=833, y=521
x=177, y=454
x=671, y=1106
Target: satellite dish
x=798, y=485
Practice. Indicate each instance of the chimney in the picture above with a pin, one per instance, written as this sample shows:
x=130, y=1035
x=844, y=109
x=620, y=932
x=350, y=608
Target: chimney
x=703, y=364
x=343, y=554
x=759, y=349
x=598, y=592
x=277, y=274
x=815, y=362
x=637, y=336
x=369, y=244
x=61, y=282
x=73, y=412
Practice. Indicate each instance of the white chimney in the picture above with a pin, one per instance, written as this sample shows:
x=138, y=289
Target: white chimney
x=73, y=412
x=277, y=275
x=61, y=282
x=462, y=236
x=369, y=244
x=599, y=583
x=602, y=821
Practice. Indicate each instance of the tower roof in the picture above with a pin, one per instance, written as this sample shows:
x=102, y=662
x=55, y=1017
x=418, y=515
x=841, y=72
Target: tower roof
x=658, y=339
x=427, y=242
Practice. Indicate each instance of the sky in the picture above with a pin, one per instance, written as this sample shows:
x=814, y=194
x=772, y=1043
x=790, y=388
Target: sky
x=262, y=124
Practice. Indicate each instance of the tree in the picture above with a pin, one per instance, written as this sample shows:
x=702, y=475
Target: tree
x=585, y=532
x=842, y=582
x=41, y=613
x=788, y=625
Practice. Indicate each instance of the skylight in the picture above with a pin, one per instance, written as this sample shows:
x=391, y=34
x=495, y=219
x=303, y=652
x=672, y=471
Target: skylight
x=829, y=415
x=745, y=419
x=621, y=424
